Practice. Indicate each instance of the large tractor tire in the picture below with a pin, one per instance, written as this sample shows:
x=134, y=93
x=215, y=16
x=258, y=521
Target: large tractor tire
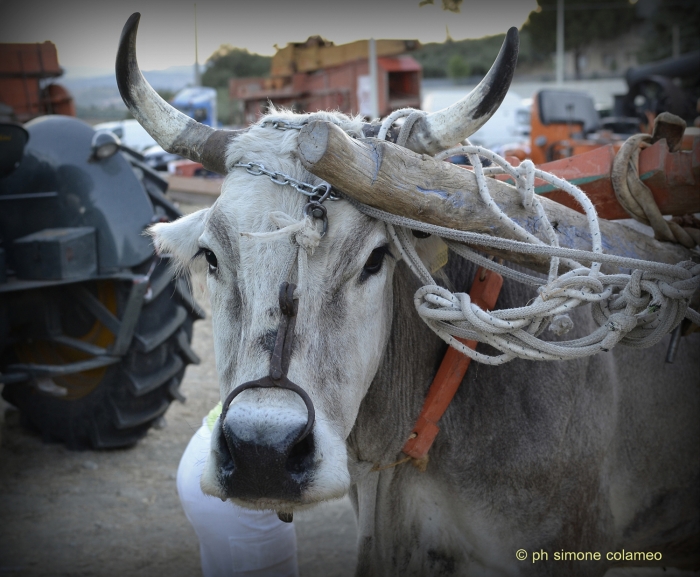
x=113, y=406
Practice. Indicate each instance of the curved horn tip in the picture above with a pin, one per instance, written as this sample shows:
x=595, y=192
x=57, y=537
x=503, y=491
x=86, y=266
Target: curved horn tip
x=132, y=21
x=122, y=65
x=173, y=130
x=444, y=128
x=500, y=76
x=511, y=44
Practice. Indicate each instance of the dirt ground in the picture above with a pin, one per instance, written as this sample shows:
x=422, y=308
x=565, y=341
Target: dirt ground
x=90, y=514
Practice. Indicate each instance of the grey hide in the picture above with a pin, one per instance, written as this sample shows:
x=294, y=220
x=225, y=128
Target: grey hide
x=594, y=455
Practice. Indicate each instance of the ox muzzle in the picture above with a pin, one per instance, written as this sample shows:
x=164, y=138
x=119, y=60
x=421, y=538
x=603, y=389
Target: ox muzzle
x=268, y=462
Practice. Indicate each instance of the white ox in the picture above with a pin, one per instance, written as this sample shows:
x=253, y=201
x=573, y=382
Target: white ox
x=591, y=455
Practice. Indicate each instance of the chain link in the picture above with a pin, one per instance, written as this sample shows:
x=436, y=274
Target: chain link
x=320, y=192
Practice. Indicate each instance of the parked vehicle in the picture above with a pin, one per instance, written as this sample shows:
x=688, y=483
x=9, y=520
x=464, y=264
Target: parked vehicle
x=94, y=330
x=565, y=123
x=198, y=102
x=318, y=75
x=158, y=158
x=130, y=133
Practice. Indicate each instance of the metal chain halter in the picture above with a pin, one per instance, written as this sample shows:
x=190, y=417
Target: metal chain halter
x=322, y=192
x=319, y=192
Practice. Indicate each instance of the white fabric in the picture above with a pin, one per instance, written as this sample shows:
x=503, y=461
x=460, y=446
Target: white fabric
x=232, y=541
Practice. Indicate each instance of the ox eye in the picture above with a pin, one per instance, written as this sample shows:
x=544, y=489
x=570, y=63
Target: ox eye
x=374, y=262
x=211, y=259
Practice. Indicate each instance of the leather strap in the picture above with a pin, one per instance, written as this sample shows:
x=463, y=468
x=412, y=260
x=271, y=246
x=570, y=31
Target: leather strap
x=484, y=293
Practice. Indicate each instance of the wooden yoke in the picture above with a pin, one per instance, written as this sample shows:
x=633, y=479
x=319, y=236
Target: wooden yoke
x=396, y=180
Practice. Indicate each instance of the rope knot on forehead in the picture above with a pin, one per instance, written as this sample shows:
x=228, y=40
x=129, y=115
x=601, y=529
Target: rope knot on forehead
x=301, y=232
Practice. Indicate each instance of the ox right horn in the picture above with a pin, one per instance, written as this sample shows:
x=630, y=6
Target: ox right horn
x=446, y=128
x=173, y=130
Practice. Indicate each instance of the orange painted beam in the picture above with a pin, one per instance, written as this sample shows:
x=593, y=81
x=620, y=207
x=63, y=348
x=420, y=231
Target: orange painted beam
x=672, y=177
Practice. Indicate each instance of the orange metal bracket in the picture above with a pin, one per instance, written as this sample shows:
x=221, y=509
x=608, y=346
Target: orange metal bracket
x=484, y=293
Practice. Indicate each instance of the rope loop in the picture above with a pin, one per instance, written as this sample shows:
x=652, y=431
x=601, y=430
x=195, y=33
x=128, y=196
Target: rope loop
x=636, y=309
x=526, y=172
x=636, y=198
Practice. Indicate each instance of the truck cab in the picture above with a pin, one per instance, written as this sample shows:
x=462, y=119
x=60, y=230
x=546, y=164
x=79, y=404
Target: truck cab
x=198, y=102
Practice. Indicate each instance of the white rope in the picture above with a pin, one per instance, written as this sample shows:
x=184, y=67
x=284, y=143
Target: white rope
x=389, y=120
x=301, y=232
x=636, y=309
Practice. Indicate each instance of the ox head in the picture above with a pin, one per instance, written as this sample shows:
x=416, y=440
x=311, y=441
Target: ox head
x=259, y=456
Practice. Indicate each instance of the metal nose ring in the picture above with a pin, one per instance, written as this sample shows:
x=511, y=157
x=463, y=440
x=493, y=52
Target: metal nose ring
x=283, y=383
x=279, y=363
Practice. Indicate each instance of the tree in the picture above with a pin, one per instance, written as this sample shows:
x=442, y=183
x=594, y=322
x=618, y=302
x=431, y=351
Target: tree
x=684, y=16
x=458, y=67
x=230, y=62
x=476, y=53
x=451, y=5
x=585, y=21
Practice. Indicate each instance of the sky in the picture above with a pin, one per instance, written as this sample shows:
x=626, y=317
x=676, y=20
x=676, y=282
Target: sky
x=86, y=32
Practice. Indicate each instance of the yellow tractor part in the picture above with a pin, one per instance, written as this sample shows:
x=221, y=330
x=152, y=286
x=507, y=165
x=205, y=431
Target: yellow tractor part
x=46, y=352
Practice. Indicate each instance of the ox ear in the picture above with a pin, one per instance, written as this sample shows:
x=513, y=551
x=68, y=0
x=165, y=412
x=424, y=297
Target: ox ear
x=179, y=238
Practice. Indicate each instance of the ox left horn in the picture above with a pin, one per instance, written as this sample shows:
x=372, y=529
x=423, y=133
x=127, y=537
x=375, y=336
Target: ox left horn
x=173, y=130
x=446, y=128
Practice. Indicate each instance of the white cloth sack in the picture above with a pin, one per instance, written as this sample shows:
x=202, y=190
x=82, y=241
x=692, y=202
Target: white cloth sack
x=232, y=541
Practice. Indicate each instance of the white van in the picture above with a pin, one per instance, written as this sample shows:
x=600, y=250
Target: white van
x=130, y=132
x=510, y=123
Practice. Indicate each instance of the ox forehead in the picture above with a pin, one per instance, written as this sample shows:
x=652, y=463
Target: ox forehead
x=587, y=455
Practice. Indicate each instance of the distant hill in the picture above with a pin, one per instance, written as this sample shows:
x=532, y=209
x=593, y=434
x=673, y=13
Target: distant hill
x=101, y=91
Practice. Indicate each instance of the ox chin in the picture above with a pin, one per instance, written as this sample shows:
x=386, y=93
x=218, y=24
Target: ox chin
x=283, y=476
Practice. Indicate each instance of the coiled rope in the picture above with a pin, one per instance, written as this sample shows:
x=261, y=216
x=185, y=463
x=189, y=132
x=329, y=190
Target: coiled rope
x=635, y=309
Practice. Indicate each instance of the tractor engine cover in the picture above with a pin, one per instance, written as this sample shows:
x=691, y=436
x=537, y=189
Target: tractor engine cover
x=56, y=254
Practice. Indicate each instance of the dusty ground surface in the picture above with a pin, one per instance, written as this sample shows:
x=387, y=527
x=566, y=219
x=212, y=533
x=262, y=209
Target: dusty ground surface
x=95, y=514
x=86, y=514
x=116, y=513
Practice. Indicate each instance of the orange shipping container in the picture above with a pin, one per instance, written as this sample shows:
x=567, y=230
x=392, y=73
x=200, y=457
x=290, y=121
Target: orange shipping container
x=29, y=60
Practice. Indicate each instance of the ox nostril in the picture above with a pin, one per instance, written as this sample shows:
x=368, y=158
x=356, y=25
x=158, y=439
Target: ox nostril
x=300, y=456
x=225, y=450
x=227, y=447
x=265, y=454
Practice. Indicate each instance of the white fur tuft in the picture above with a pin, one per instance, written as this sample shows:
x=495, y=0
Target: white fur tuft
x=179, y=239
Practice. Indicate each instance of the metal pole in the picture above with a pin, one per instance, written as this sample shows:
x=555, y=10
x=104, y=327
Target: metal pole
x=676, y=39
x=197, y=77
x=560, y=42
x=373, y=80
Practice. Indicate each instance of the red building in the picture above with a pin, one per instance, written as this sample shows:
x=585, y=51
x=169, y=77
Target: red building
x=26, y=81
x=318, y=75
